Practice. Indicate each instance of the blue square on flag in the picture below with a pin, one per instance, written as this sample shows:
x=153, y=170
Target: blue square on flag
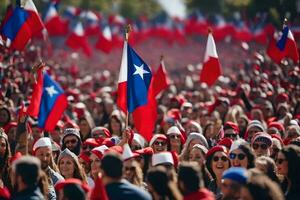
x=138, y=79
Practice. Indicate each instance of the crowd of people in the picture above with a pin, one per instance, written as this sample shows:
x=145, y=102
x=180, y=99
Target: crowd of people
x=239, y=139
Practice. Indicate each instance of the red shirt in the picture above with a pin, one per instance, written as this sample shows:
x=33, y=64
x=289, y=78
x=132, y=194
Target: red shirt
x=201, y=194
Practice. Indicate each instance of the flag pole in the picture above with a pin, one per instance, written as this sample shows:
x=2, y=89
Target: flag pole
x=127, y=31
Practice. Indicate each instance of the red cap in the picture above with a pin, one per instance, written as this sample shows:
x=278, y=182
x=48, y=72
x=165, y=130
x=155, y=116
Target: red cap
x=277, y=137
x=227, y=142
x=145, y=151
x=231, y=125
x=84, y=157
x=277, y=125
x=216, y=149
x=91, y=141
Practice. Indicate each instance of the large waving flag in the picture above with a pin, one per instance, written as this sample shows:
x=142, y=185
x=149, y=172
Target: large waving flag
x=211, y=67
x=22, y=25
x=48, y=101
x=134, y=80
x=285, y=47
x=148, y=113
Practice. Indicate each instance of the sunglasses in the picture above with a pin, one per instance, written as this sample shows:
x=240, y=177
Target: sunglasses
x=70, y=141
x=223, y=158
x=174, y=136
x=129, y=168
x=280, y=160
x=240, y=156
x=262, y=146
x=159, y=143
x=230, y=135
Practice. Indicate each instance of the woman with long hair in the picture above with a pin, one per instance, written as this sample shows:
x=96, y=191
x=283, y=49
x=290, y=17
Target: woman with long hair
x=175, y=139
x=133, y=173
x=4, y=159
x=86, y=124
x=241, y=154
x=217, y=162
x=116, y=124
x=69, y=166
x=288, y=165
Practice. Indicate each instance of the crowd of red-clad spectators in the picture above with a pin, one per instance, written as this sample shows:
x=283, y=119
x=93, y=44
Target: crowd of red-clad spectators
x=239, y=139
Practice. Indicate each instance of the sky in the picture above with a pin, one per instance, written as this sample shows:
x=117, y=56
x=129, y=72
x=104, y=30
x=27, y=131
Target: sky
x=174, y=7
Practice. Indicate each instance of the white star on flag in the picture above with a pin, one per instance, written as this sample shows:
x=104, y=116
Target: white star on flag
x=140, y=70
x=51, y=90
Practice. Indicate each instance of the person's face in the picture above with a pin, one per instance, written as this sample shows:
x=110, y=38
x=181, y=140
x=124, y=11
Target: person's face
x=292, y=133
x=84, y=127
x=66, y=166
x=115, y=125
x=242, y=123
x=159, y=146
x=276, y=147
x=174, y=139
x=55, y=135
x=197, y=156
x=229, y=133
x=220, y=162
x=85, y=166
x=227, y=189
x=45, y=155
x=37, y=133
x=3, y=146
x=238, y=158
x=95, y=164
x=261, y=149
x=129, y=170
x=12, y=134
x=99, y=134
x=135, y=145
x=193, y=142
x=282, y=164
x=251, y=132
x=3, y=116
x=209, y=133
x=71, y=142
x=245, y=194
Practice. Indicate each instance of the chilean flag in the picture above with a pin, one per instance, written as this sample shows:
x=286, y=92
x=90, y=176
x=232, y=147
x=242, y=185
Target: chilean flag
x=48, y=101
x=285, y=47
x=211, y=67
x=54, y=24
x=134, y=81
x=22, y=25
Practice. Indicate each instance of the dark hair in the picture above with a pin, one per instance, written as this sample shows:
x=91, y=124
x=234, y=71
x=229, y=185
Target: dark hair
x=263, y=188
x=8, y=113
x=270, y=165
x=292, y=154
x=4, y=164
x=250, y=155
x=74, y=191
x=190, y=175
x=158, y=178
x=205, y=129
x=209, y=162
x=77, y=148
x=28, y=168
x=112, y=165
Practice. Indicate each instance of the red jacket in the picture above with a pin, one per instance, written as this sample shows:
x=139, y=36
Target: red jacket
x=201, y=194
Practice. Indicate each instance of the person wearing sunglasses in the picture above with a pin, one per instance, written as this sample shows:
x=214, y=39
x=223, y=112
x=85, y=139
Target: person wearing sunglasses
x=158, y=143
x=175, y=139
x=231, y=130
x=241, y=154
x=261, y=144
x=288, y=165
x=217, y=162
x=71, y=140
